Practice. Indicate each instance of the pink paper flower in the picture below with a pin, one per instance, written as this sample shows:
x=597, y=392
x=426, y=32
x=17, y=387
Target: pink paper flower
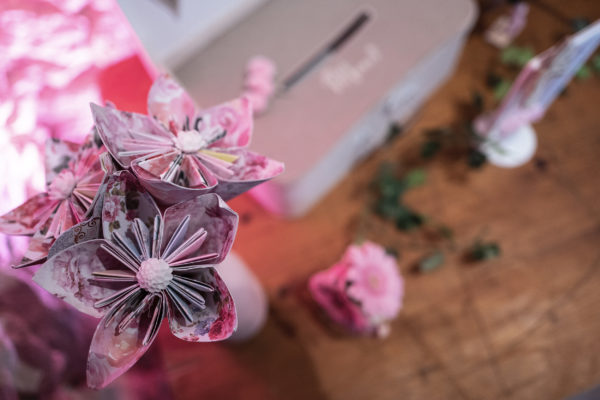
x=141, y=267
x=363, y=291
x=259, y=83
x=179, y=153
x=74, y=173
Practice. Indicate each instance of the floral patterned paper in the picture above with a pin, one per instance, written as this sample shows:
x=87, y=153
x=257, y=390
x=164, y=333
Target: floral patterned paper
x=178, y=152
x=75, y=174
x=136, y=266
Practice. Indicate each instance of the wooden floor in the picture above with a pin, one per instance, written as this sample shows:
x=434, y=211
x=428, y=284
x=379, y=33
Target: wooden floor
x=524, y=326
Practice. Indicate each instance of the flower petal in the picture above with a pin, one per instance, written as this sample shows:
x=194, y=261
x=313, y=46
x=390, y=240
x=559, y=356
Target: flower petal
x=249, y=169
x=163, y=191
x=58, y=155
x=29, y=217
x=69, y=276
x=124, y=200
x=215, y=322
x=82, y=232
x=115, y=349
x=207, y=212
x=170, y=192
x=167, y=101
x=39, y=246
x=123, y=132
x=328, y=289
x=235, y=117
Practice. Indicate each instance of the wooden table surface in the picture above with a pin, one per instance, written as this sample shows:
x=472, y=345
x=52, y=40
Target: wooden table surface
x=523, y=326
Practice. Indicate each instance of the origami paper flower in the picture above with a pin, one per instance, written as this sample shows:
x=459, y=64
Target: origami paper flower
x=178, y=153
x=259, y=83
x=74, y=174
x=363, y=291
x=143, y=267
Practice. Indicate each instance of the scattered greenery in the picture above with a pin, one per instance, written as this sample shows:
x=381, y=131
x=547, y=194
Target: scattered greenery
x=391, y=189
x=482, y=251
x=595, y=62
x=476, y=159
x=477, y=101
x=579, y=23
x=430, y=148
x=502, y=89
x=432, y=262
x=516, y=56
x=394, y=131
x=583, y=73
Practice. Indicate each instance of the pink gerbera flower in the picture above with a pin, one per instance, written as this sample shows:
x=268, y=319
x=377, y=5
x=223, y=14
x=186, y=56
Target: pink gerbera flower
x=363, y=291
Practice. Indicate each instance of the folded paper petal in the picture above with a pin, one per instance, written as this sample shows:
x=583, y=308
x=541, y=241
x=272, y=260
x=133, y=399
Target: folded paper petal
x=167, y=101
x=112, y=352
x=82, y=232
x=234, y=117
x=59, y=153
x=118, y=129
x=124, y=200
x=38, y=248
x=216, y=322
x=166, y=193
x=30, y=216
x=68, y=275
x=207, y=212
x=328, y=289
x=249, y=169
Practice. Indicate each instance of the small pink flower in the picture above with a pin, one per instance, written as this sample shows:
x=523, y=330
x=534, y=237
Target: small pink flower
x=363, y=291
x=259, y=83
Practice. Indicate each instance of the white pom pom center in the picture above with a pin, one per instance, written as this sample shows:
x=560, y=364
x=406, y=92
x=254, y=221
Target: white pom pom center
x=190, y=141
x=154, y=275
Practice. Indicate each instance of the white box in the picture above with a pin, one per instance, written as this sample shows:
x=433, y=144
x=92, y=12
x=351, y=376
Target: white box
x=385, y=58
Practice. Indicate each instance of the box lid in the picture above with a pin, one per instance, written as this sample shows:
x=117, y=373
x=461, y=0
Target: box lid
x=305, y=121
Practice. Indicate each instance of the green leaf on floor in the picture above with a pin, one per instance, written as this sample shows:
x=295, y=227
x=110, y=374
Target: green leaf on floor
x=583, y=73
x=432, y=262
x=501, y=89
x=482, y=251
x=516, y=56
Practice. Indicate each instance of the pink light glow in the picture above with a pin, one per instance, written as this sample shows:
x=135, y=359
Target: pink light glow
x=53, y=53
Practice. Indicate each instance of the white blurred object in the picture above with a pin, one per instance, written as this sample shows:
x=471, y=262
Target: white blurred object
x=346, y=69
x=514, y=150
x=248, y=294
x=170, y=37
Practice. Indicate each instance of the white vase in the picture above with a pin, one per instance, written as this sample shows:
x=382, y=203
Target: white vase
x=248, y=294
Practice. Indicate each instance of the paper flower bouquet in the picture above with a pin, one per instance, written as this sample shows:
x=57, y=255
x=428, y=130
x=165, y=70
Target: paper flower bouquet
x=134, y=223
